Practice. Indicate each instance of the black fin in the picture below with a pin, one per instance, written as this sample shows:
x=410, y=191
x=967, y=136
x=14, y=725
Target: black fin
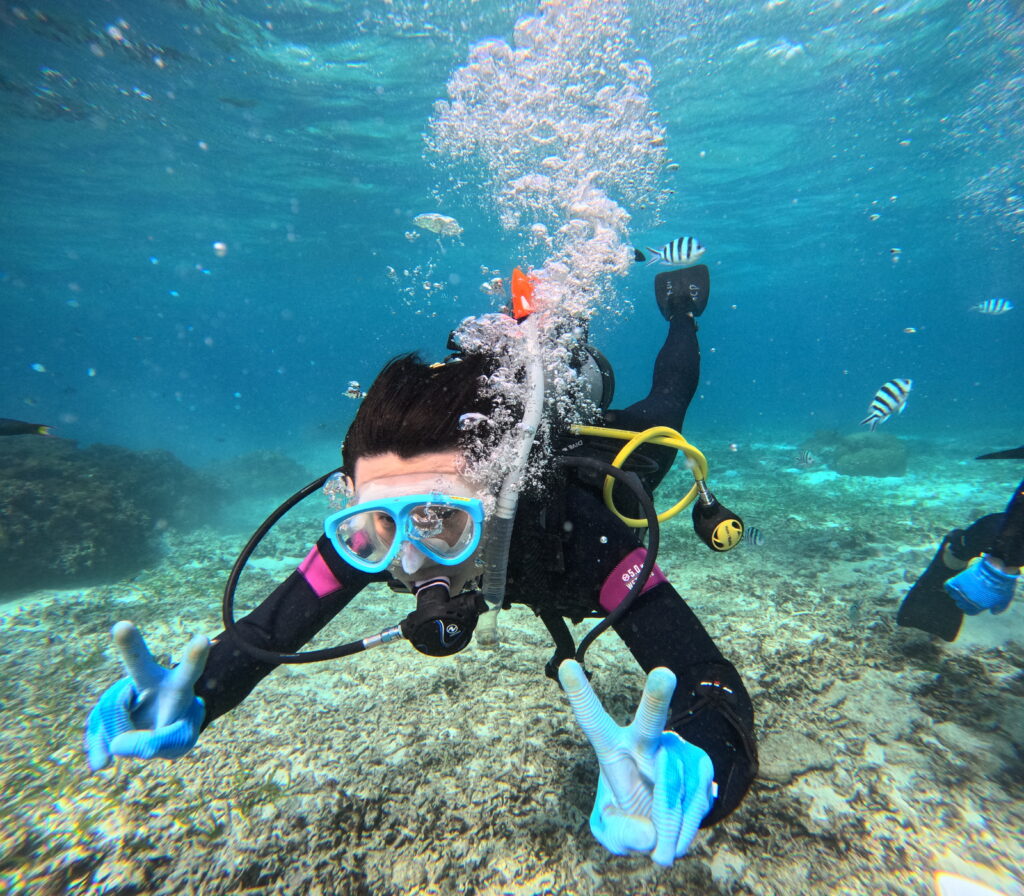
x=638, y=255
x=684, y=291
x=927, y=606
x=1010, y=454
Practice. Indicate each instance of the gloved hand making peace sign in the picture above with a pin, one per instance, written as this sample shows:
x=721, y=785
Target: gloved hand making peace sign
x=154, y=712
x=655, y=788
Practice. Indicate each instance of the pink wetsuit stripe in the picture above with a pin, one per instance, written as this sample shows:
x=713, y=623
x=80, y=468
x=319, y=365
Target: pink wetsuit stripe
x=316, y=571
x=621, y=579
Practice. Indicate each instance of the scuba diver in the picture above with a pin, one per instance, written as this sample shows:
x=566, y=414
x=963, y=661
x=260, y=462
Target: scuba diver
x=419, y=519
x=975, y=569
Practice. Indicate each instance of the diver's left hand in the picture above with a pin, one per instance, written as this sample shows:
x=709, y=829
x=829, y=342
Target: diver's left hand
x=655, y=788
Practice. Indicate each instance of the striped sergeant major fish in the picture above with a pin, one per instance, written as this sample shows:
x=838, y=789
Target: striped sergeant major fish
x=806, y=459
x=993, y=306
x=684, y=250
x=890, y=399
x=753, y=537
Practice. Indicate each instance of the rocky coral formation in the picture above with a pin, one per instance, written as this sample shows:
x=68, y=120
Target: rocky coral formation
x=861, y=453
x=259, y=473
x=72, y=515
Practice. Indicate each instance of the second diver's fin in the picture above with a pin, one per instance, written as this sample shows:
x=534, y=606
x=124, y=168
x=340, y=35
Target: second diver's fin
x=927, y=606
x=1011, y=454
x=684, y=291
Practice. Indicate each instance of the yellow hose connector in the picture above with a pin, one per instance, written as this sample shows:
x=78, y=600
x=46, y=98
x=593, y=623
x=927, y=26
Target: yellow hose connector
x=656, y=435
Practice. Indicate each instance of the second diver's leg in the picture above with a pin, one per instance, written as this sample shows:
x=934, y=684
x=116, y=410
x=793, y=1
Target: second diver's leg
x=1008, y=545
x=927, y=606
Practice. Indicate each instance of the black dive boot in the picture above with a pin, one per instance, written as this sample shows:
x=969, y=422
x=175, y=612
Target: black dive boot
x=684, y=291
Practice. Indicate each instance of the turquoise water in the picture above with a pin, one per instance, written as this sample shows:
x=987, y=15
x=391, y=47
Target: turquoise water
x=293, y=133
x=207, y=232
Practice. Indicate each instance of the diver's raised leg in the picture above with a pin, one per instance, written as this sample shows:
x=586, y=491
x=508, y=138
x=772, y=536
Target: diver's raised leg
x=682, y=295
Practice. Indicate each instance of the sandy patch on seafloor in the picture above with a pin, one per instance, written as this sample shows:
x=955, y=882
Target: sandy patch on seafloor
x=393, y=773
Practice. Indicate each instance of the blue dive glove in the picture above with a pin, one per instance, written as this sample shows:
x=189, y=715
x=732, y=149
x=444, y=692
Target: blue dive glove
x=981, y=587
x=154, y=712
x=654, y=788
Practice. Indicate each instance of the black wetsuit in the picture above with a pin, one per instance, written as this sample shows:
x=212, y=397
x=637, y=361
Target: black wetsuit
x=569, y=557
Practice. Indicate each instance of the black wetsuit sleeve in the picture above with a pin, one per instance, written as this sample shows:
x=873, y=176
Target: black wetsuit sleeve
x=1008, y=544
x=710, y=706
x=297, y=609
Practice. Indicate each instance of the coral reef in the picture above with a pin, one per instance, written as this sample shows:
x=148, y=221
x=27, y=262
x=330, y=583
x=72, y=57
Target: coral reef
x=70, y=515
x=258, y=473
x=861, y=453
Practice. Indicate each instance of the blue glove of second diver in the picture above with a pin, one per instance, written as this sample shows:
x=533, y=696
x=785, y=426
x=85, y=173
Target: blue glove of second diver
x=154, y=712
x=981, y=587
x=654, y=788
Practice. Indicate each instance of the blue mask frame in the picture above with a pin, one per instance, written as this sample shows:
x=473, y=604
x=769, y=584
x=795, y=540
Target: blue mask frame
x=400, y=510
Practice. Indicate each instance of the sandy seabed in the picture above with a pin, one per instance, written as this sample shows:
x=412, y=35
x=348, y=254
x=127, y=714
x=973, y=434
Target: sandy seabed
x=885, y=754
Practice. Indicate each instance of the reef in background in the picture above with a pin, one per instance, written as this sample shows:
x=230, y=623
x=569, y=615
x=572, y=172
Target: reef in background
x=71, y=515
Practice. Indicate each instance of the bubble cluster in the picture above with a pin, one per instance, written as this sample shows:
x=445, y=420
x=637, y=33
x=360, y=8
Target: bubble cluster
x=992, y=127
x=493, y=442
x=561, y=123
x=560, y=127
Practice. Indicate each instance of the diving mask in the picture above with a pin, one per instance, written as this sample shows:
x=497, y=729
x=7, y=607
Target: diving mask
x=370, y=534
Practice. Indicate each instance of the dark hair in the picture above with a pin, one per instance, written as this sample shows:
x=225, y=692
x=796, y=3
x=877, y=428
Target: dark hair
x=415, y=408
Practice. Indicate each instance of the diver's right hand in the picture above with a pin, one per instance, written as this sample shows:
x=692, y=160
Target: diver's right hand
x=154, y=712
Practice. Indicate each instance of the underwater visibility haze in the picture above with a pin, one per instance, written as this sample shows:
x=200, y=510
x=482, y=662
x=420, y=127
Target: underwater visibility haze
x=220, y=219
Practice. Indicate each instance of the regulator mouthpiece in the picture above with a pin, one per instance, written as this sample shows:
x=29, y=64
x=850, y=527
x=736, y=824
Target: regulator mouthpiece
x=441, y=624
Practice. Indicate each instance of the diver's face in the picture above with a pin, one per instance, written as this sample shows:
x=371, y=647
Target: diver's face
x=388, y=475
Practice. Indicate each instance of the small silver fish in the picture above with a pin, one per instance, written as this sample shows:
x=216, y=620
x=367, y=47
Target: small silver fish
x=993, y=306
x=684, y=250
x=442, y=225
x=890, y=399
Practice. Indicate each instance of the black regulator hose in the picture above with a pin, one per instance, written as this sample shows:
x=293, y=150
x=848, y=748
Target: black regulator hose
x=631, y=481
x=271, y=656
x=463, y=614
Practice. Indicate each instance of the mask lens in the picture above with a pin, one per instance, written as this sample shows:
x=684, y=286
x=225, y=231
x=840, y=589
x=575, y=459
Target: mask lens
x=368, y=536
x=440, y=529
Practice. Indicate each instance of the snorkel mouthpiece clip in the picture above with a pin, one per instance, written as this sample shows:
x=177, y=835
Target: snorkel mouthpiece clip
x=441, y=624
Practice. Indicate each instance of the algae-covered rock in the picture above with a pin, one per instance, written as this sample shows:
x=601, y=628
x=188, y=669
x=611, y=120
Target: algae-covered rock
x=870, y=454
x=71, y=515
x=788, y=753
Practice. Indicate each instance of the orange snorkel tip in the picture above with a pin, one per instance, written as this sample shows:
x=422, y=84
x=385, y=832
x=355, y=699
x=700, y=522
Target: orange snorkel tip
x=522, y=295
